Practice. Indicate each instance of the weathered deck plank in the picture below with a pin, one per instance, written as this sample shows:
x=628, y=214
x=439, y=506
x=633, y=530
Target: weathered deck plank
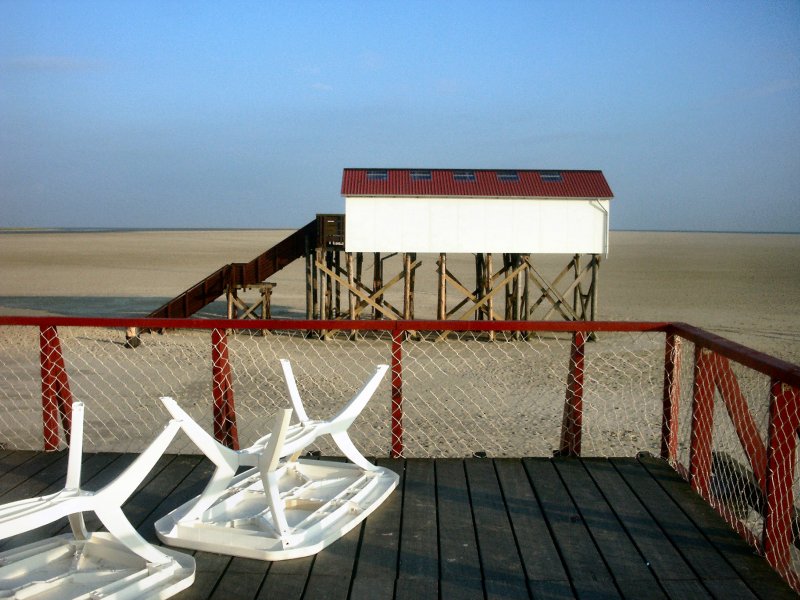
x=625, y=562
x=460, y=567
x=587, y=571
x=418, y=568
x=661, y=557
x=499, y=555
x=748, y=565
x=376, y=570
x=463, y=528
x=541, y=562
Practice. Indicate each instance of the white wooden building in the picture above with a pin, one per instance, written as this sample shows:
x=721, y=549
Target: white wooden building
x=457, y=210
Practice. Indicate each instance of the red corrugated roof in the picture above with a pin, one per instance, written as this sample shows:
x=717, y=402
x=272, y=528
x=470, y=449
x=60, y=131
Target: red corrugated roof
x=529, y=183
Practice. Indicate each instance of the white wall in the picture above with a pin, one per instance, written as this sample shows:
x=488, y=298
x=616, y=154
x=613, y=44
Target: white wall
x=535, y=226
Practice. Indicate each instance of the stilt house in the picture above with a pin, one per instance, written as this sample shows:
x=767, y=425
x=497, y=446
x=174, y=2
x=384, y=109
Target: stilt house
x=453, y=210
x=513, y=214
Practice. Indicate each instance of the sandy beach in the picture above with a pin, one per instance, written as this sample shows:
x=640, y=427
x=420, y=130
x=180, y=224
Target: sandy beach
x=742, y=286
x=459, y=397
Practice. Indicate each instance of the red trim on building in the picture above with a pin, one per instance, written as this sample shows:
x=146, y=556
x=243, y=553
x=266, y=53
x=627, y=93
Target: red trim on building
x=486, y=183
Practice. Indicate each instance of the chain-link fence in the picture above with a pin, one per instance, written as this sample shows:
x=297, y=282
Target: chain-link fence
x=462, y=392
x=725, y=417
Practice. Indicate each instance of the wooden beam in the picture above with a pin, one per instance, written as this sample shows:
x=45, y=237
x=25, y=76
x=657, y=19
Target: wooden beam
x=351, y=303
x=556, y=299
x=371, y=300
x=406, y=285
x=377, y=278
x=473, y=296
x=309, y=282
x=485, y=299
x=552, y=285
x=441, y=306
x=595, y=280
x=487, y=288
x=375, y=294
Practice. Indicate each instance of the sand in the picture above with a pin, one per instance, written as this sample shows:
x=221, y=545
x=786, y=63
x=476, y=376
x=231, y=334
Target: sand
x=459, y=397
x=742, y=286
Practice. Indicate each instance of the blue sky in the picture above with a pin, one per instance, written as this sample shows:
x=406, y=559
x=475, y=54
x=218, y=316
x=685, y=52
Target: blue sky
x=212, y=114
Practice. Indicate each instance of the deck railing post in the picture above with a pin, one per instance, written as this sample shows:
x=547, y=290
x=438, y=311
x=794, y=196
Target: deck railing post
x=672, y=394
x=702, y=422
x=56, y=395
x=783, y=425
x=222, y=388
x=398, y=448
x=572, y=422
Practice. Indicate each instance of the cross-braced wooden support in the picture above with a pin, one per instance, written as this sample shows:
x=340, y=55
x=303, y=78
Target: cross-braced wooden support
x=520, y=280
x=517, y=290
x=328, y=280
x=260, y=309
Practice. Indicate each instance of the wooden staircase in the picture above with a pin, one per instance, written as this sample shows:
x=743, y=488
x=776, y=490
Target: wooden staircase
x=257, y=270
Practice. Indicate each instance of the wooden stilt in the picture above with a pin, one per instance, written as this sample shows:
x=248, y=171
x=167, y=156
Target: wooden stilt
x=413, y=277
x=595, y=279
x=406, y=286
x=479, y=282
x=441, y=310
x=487, y=285
x=329, y=287
x=315, y=285
x=338, y=294
x=351, y=302
x=507, y=267
x=377, y=281
x=322, y=294
x=309, y=283
x=577, y=300
x=523, y=311
x=516, y=291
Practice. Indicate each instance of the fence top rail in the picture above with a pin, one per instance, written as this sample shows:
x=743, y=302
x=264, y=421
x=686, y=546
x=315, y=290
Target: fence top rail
x=320, y=324
x=775, y=368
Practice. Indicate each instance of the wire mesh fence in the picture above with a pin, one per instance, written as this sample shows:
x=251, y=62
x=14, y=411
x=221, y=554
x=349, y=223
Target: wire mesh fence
x=725, y=421
x=462, y=393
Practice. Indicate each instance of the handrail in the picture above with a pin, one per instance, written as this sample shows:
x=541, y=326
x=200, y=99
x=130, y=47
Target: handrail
x=758, y=361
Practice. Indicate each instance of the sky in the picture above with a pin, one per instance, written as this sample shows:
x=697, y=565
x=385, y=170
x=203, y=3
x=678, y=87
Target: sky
x=243, y=114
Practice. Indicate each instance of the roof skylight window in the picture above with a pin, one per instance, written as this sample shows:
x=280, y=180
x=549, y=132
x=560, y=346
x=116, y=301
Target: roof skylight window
x=552, y=176
x=419, y=175
x=508, y=176
x=377, y=175
x=463, y=175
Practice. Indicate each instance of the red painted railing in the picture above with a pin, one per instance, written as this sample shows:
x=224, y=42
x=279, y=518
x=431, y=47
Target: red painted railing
x=772, y=459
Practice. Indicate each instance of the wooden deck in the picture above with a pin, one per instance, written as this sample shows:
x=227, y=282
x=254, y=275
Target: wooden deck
x=476, y=528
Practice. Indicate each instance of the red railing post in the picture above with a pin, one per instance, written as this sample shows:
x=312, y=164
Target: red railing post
x=398, y=448
x=572, y=422
x=702, y=423
x=222, y=383
x=56, y=395
x=672, y=395
x=784, y=421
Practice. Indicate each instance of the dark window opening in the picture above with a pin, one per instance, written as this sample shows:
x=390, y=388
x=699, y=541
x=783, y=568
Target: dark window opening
x=554, y=176
x=507, y=176
x=420, y=175
x=377, y=175
x=464, y=175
